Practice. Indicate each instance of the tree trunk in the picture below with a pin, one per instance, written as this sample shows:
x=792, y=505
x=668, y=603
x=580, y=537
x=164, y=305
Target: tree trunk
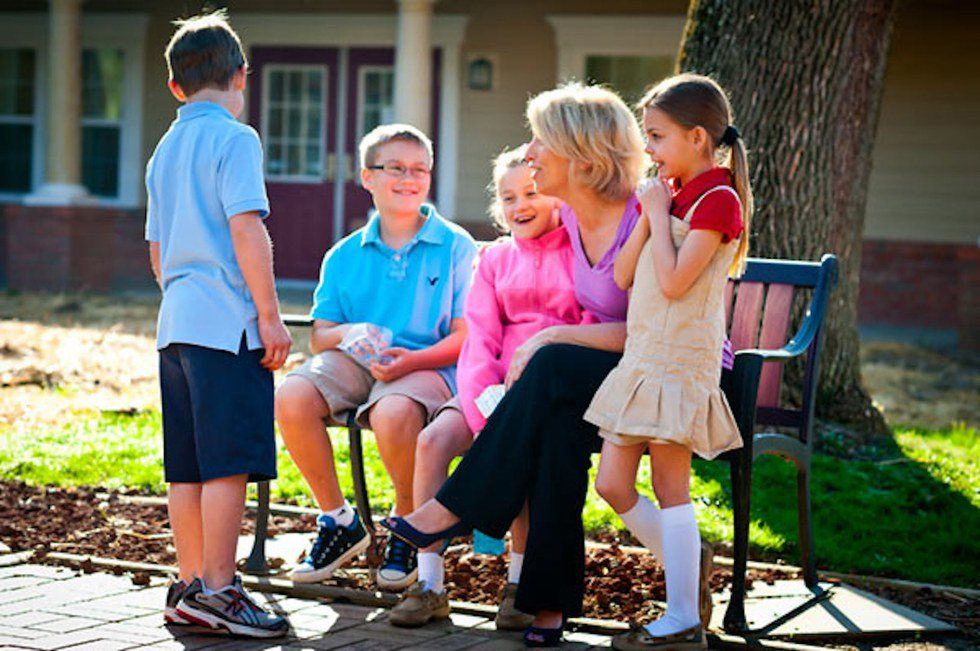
x=805, y=80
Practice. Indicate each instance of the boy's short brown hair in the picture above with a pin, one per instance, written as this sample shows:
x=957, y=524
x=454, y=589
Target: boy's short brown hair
x=382, y=135
x=204, y=52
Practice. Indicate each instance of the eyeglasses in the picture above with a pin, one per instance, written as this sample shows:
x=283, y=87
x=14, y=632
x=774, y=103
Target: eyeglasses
x=399, y=171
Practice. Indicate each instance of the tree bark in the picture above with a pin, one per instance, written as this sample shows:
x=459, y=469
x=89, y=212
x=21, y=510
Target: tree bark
x=805, y=79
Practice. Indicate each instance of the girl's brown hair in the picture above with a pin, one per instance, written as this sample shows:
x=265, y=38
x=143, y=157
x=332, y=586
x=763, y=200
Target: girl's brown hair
x=503, y=163
x=698, y=101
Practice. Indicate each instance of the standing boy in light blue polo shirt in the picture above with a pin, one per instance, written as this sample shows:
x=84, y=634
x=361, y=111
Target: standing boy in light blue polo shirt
x=219, y=334
x=407, y=270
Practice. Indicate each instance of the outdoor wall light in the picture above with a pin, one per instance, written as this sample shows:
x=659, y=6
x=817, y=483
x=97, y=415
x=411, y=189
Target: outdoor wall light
x=479, y=74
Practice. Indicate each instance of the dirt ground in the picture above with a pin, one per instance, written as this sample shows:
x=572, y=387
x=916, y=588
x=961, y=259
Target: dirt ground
x=97, y=352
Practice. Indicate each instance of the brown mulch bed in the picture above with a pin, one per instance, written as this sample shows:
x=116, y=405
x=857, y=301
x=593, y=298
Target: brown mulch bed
x=619, y=585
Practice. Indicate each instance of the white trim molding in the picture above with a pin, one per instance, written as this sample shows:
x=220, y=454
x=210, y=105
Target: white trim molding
x=577, y=37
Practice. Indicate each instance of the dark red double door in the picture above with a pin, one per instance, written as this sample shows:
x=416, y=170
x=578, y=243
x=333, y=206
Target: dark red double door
x=311, y=106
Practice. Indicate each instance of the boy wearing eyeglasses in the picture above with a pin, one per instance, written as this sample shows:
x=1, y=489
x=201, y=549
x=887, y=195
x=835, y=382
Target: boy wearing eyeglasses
x=408, y=271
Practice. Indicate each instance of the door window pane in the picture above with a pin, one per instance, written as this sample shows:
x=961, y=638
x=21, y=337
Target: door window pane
x=629, y=76
x=16, y=119
x=293, y=123
x=377, y=97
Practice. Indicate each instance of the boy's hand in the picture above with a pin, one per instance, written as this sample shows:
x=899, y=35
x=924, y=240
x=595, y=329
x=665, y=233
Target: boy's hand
x=402, y=363
x=276, y=340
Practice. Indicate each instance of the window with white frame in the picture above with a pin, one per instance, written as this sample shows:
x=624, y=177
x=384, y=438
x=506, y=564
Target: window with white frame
x=376, y=97
x=630, y=76
x=102, y=112
x=293, y=121
x=17, y=124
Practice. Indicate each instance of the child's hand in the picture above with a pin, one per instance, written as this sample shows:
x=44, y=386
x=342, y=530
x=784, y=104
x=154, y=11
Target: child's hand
x=276, y=341
x=401, y=364
x=654, y=196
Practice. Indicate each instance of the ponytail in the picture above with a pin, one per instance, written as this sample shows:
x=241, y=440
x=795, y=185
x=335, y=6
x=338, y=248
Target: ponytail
x=738, y=163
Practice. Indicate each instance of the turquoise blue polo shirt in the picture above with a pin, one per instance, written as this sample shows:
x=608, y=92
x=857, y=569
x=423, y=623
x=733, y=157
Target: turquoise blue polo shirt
x=415, y=291
x=206, y=169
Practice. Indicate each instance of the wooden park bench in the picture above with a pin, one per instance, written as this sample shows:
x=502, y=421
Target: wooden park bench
x=759, y=311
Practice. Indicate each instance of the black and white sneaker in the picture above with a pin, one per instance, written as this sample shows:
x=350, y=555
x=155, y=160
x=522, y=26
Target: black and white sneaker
x=399, y=568
x=334, y=546
x=230, y=610
x=174, y=592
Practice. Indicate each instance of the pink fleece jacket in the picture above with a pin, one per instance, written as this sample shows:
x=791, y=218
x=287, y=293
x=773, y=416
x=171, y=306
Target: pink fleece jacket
x=520, y=287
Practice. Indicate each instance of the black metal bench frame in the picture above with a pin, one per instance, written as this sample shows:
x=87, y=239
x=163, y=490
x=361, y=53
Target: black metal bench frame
x=741, y=386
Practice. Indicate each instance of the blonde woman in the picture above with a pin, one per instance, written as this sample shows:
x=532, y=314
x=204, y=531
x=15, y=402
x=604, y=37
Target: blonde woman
x=587, y=150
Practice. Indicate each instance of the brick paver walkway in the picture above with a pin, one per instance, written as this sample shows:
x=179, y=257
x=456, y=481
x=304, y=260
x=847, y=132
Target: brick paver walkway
x=45, y=607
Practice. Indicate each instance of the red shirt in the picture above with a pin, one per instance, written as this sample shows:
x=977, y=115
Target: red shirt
x=720, y=211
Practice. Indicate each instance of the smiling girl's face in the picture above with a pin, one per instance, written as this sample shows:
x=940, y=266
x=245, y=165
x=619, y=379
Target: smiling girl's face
x=529, y=214
x=677, y=152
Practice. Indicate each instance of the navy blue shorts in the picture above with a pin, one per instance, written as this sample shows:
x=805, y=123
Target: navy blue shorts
x=217, y=414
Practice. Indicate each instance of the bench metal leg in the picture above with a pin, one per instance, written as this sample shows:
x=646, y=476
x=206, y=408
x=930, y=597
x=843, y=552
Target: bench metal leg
x=256, y=563
x=360, y=487
x=805, y=525
x=741, y=473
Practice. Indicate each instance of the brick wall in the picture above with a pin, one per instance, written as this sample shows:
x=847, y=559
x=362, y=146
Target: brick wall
x=73, y=248
x=923, y=285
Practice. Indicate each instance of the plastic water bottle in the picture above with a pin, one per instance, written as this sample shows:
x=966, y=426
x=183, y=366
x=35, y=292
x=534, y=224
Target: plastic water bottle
x=484, y=544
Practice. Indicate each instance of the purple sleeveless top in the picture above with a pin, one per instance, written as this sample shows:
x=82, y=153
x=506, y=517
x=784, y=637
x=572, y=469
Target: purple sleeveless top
x=595, y=287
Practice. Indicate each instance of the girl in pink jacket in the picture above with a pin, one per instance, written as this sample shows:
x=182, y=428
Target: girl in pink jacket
x=522, y=285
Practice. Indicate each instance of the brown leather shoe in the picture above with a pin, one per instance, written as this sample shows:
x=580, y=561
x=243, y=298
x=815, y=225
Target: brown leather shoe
x=639, y=640
x=704, y=589
x=418, y=606
x=509, y=618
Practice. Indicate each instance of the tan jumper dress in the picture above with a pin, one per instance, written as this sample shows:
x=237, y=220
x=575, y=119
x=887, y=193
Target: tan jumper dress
x=666, y=387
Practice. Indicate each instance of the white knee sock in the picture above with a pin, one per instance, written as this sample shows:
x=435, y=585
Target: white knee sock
x=431, y=571
x=682, y=565
x=643, y=521
x=514, y=568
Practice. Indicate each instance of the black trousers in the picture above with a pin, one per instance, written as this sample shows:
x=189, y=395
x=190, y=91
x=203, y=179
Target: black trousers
x=536, y=447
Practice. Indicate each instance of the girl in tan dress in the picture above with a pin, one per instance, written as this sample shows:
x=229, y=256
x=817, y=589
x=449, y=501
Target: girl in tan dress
x=664, y=395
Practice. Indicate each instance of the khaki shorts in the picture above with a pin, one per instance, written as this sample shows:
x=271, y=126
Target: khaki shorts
x=346, y=385
x=452, y=404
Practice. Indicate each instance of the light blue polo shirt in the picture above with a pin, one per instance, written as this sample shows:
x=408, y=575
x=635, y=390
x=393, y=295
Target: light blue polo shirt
x=206, y=169
x=415, y=291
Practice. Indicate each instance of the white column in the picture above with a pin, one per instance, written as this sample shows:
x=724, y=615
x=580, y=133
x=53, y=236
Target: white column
x=413, y=64
x=63, y=123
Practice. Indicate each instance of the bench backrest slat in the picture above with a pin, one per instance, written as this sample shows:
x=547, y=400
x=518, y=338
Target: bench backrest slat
x=775, y=325
x=744, y=332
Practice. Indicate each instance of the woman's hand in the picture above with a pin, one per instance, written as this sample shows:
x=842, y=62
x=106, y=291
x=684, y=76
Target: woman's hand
x=402, y=363
x=523, y=355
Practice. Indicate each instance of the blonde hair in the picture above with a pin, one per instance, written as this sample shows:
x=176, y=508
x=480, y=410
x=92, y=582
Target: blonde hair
x=693, y=100
x=591, y=125
x=382, y=135
x=503, y=163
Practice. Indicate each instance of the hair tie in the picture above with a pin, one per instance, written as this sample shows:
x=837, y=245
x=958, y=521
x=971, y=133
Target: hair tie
x=730, y=136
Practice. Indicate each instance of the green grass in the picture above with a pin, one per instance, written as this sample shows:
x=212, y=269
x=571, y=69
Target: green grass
x=913, y=511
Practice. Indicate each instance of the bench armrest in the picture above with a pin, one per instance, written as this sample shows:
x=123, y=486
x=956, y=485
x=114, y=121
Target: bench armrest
x=297, y=320
x=810, y=328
